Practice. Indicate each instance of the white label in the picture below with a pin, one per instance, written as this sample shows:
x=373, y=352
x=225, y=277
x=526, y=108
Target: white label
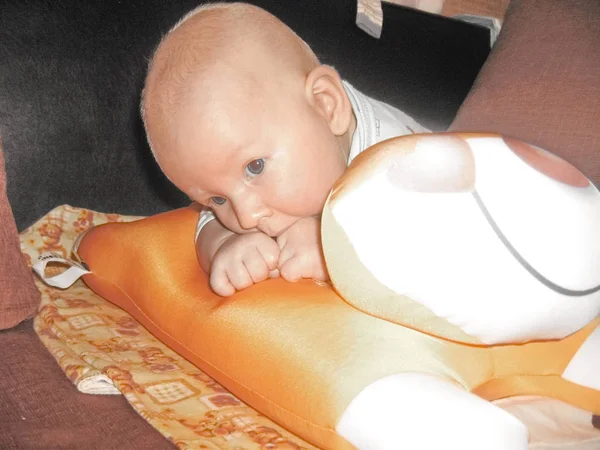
x=64, y=279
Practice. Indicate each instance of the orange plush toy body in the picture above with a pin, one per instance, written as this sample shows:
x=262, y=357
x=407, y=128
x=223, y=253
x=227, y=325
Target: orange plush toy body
x=442, y=300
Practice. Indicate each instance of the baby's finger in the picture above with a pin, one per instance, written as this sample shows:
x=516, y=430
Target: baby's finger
x=320, y=273
x=274, y=273
x=282, y=241
x=239, y=277
x=291, y=270
x=219, y=283
x=256, y=267
x=284, y=256
x=269, y=252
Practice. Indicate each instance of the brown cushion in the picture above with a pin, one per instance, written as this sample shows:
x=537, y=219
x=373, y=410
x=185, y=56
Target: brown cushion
x=19, y=297
x=41, y=409
x=541, y=82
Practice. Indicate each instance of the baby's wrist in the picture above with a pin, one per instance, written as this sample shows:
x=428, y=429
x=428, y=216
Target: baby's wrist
x=210, y=239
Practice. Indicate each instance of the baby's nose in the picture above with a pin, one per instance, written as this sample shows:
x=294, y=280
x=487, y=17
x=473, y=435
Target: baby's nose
x=250, y=212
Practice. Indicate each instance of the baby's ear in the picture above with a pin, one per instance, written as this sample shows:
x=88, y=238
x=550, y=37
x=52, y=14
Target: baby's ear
x=326, y=94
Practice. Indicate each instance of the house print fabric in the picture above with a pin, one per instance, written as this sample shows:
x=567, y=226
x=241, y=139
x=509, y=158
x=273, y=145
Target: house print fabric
x=104, y=351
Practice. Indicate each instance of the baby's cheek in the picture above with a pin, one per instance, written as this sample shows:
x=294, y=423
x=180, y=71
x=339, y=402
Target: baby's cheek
x=228, y=219
x=303, y=185
x=307, y=200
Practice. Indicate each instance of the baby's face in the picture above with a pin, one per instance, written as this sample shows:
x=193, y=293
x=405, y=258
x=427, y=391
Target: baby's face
x=259, y=161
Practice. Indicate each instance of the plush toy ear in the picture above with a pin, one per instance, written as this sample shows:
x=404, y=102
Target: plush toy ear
x=473, y=238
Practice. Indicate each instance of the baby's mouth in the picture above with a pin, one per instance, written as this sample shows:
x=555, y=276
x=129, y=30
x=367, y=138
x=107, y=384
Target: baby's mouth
x=263, y=226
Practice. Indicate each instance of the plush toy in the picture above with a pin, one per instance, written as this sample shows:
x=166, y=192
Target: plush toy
x=476, y=241
x=466, y=269
x=493, y=237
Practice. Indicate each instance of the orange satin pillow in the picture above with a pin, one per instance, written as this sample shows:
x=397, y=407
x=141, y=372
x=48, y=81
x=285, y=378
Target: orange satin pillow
x=296, y=352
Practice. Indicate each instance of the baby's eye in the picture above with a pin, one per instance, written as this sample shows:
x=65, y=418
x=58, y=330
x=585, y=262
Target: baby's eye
x=218, y=200
x=255, y=167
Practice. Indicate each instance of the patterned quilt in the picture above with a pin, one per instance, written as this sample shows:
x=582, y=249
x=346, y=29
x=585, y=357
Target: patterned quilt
x=104, y=351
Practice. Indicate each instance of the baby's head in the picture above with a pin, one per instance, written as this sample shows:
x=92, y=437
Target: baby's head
x=242, y=117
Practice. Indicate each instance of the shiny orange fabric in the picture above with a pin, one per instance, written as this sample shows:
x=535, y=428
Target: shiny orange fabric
x=296, y=352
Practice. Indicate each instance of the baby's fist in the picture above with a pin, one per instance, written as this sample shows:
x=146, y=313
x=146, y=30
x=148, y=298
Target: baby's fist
x=301, y=254
x=243, y=260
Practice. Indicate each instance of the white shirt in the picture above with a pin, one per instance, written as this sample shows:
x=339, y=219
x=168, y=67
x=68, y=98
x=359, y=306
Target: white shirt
x=375, y=122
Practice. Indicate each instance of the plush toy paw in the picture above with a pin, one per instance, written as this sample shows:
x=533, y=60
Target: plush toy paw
x=472, y=237
x=433, y=413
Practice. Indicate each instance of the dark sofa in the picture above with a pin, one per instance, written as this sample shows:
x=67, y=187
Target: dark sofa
x=72, y=73
x=70, y=79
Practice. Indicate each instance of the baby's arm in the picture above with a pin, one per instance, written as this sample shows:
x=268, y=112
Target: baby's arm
x=209, y=240
x=235, y=261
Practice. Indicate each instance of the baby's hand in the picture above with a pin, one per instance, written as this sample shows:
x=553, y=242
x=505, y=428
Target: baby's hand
x=301, y=254
x=243, y=260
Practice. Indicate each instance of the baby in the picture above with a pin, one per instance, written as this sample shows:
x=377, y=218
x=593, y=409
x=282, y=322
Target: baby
x=242, y=117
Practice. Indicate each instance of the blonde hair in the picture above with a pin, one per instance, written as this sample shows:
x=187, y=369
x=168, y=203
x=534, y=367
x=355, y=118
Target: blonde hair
x=198, y=40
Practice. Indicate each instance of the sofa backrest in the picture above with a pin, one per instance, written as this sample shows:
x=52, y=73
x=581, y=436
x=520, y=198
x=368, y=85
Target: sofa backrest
x=71, y=73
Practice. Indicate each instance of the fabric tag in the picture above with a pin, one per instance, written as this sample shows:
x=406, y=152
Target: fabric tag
x=64, y=279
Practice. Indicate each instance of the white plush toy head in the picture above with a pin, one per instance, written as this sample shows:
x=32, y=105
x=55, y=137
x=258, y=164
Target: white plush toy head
x=472, y=237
